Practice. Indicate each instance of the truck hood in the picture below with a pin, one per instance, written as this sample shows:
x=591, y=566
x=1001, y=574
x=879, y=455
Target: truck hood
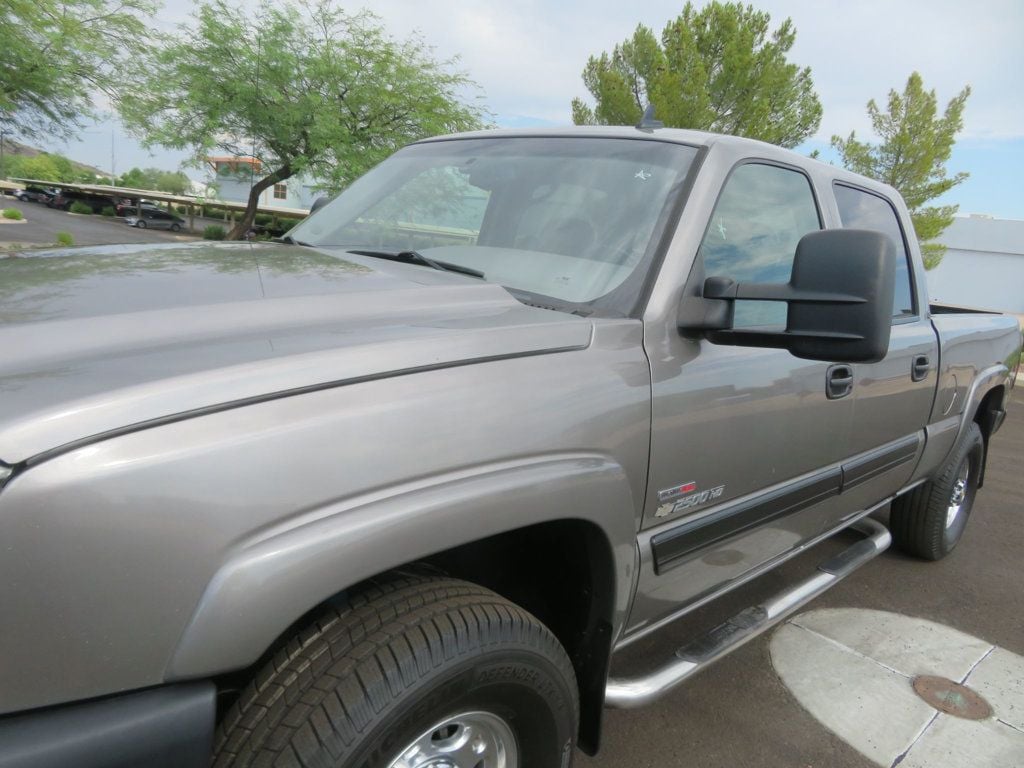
x=99, y=340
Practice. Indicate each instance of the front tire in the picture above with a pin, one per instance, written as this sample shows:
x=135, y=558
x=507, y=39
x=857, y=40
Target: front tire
x=140, y=224
x=410, y=672
x=929, y=521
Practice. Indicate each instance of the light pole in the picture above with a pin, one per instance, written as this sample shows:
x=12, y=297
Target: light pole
x=3, y=168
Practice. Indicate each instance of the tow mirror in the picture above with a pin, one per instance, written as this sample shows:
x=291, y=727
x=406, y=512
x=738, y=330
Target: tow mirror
x=319, y=203
x=839, y=299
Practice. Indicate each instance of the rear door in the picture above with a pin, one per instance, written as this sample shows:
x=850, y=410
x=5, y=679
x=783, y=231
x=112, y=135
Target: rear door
x=892, y=398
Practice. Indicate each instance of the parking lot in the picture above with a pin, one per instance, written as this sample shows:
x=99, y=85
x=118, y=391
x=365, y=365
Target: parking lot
x=42, y=224
x=739, y=713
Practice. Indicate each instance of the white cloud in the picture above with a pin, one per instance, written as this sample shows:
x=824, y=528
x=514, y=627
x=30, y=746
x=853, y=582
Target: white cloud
x=527, y=56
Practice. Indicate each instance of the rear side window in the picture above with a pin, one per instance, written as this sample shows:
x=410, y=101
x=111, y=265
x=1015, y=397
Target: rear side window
x=864, y=210
x=760, y=217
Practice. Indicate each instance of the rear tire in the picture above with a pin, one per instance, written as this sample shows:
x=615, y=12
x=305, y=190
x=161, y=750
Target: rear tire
x=175, y=227
x=411, y=671
x=929, y=521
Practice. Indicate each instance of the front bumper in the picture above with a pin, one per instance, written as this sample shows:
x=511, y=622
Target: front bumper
x=166, y=727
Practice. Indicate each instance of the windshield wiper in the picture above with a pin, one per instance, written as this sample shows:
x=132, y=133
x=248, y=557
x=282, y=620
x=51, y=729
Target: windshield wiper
x=415, y=257
x=289, y=240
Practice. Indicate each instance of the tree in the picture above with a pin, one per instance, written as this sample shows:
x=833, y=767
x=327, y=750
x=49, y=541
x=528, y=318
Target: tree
x=716, y=69
x=302, y=88
x=136, y=178
x=41, y=167
x=174, y=182
x=916, y=145
x=58, y=53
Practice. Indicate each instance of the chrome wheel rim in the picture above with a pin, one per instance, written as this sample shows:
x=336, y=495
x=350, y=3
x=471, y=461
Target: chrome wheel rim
x=466, y=740
x=958, y=495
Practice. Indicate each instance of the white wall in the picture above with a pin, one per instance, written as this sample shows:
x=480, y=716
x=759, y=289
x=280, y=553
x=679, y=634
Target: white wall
x=983, y=266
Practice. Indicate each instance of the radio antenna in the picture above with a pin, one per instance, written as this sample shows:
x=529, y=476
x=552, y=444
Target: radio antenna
x=647, y=122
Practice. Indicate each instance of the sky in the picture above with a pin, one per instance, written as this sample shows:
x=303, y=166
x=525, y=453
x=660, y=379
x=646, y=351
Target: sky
x=527, y=56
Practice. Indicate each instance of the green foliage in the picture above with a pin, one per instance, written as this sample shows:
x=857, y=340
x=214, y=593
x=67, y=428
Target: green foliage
x=213, y=212
x=65, y=238
x=263, y=219
x=47, y=167
x=13, y=214
x=80, y=207
x=912, y=156
x=172, y=182
x=305, y=87
x=714, y=69
x=109, y=210
x=58, y=53
x=214, y=232
x=39, y=167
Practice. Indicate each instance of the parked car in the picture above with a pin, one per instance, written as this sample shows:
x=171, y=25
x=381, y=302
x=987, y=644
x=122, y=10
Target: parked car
x=127, y=208
x=156, y=219
x=395, y=490
x=35, y=194
x=65, y=198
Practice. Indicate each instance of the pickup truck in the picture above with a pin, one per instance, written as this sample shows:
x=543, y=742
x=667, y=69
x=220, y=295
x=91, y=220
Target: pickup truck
x=391, y=493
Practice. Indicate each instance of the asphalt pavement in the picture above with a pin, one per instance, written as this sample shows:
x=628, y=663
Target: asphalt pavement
x=42, y=224
x=739, y=714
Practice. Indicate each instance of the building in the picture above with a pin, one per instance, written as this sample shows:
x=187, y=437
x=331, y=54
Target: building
x=234, y=176
x=983, y=266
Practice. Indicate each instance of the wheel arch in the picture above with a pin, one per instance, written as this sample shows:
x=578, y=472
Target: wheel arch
x=988, y=416
x=555, y=536
x=563, y=572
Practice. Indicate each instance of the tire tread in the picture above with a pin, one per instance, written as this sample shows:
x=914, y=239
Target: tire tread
x=328, y=684
x=917, y=519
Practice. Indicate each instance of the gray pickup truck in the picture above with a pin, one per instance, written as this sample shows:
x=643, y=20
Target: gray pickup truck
x=392, y=492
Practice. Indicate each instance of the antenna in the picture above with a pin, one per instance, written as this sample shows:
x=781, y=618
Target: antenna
x=647, y=122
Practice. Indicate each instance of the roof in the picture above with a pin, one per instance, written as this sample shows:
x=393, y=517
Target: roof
x=736, y=145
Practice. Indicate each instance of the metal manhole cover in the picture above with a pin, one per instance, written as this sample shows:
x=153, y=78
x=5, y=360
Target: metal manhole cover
x=951, y=698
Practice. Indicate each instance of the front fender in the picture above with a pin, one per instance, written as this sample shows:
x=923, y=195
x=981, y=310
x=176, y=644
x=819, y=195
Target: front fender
x=272, y=579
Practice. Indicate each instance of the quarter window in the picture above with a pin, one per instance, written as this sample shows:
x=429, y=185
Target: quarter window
x=863, y=210
x=760, y=217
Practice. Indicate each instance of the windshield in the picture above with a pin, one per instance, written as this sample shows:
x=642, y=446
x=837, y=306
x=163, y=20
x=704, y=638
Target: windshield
x=573, y=219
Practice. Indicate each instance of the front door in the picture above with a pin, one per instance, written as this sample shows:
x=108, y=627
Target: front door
x=745, y=442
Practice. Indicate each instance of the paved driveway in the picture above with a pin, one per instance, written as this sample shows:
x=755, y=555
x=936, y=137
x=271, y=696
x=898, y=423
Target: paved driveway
x=42, y=225
x=739, y=714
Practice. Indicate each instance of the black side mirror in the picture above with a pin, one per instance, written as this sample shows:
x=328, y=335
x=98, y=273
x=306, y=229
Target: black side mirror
x=319, y=203
x=839, y=299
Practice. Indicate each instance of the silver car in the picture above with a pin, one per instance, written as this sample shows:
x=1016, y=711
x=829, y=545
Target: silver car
x=151, y=219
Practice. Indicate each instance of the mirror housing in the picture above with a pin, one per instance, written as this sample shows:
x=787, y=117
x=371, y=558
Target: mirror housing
x=839, y=299
x=319, y=203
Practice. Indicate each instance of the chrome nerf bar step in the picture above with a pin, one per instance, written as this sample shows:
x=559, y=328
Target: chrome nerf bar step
x=628, y=693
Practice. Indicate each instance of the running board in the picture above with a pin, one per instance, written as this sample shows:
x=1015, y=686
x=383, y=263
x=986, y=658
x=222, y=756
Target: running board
x=629, y=693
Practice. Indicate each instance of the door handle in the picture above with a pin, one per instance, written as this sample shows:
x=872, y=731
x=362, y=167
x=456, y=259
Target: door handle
x=919, y=369
x=838, y=381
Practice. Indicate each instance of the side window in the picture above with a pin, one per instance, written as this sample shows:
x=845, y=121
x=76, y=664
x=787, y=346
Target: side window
x=863, y=210
x=760, y=217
